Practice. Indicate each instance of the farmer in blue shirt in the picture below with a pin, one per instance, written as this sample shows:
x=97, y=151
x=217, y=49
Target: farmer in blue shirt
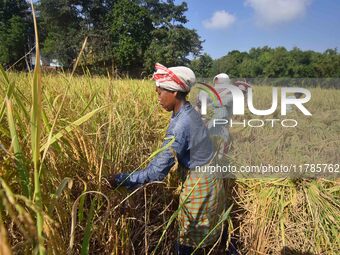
x=202, y=195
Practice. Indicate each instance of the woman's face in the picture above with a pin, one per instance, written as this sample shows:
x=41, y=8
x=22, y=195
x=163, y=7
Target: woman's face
x=166, y=98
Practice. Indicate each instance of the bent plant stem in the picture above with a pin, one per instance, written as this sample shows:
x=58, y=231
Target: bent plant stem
x=86, y=240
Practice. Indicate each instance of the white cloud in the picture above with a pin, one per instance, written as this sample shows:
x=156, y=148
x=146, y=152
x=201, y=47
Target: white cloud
x=219, y=20
x=272, y=12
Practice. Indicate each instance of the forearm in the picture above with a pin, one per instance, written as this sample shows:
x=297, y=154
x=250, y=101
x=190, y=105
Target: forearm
x=158, y=168
x=149, y=174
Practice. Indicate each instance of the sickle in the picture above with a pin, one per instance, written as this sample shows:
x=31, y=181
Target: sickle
x=213, y=90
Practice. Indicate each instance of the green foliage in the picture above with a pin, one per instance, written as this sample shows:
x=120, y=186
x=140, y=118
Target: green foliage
x=130, y=31
x=202, y=66
x=63, y=31
x=171, y=46
x=130, y=35
x=272, y=63
x=13, y=31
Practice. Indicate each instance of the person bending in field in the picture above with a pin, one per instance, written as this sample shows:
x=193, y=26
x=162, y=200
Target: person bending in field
x=224, y=111
x=202, y=195
x=289, y=107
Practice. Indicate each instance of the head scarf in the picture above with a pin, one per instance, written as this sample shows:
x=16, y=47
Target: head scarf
x=178, y=78
x=242, y=85
x=221, y=79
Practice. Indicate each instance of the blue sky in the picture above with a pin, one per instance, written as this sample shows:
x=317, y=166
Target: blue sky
x=227, y=25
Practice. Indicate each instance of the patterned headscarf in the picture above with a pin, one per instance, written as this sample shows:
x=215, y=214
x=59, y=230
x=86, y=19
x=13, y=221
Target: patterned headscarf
x=178, y=78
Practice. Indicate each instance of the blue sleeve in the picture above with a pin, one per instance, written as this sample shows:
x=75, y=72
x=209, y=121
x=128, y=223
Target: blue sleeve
x=160, y=166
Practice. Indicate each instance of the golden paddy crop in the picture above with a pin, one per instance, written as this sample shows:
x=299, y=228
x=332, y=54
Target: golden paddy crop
x=90, y=127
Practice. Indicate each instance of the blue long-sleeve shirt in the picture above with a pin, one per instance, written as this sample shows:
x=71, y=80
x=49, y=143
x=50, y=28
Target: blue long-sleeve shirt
x=192, y=146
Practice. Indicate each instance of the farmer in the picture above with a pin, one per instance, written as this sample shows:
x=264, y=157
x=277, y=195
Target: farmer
x=289, y=107
x=202, y=195
x=224, y=111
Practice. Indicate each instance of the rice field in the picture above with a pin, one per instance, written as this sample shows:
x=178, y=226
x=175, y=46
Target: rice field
x=61, y=135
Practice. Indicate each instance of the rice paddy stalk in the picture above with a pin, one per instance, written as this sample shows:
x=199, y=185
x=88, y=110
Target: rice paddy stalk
x=79, y=56
x=19, y=156
x=5, y=248
x=49, y=138
x=81, y=204
x=19, y=101
x=66, y=182
x=17, y=213
x=88, y=104
x=74, y=215
x=35, y=135
x=12, y=90
x=85, y=246
x=104, y=149
x=70, y=127
x=9, y=92
x=154, y=154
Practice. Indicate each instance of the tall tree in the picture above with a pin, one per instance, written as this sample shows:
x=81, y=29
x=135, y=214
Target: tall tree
x=202, y=66
x=279, y=62
x=13, y=31
x=64, y=33
x=133, y=34
x=172, y=46
x=171, y=42
x=96, y=24
x=230, y=63
x=130, y=31
x=149, y=31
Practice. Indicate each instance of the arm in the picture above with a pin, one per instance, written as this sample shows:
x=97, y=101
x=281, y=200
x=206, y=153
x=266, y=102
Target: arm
x=160, y=166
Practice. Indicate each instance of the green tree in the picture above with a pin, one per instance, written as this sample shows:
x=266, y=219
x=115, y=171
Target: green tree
x=96, y=22
x=64, y=33
x=327, y=64
x=172, y=46
x=165, y=13
x=172, y=43
x=202, y=66
x=13, y=31
x=130, y=32
x=230, y=63
x=278, y=62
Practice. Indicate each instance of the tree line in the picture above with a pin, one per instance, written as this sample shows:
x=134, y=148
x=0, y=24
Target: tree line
x=129, y=36
x=269, y=62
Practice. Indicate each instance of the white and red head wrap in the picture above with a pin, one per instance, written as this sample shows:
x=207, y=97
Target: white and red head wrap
x=178, y=78
x=221, y=79
x=242, y=85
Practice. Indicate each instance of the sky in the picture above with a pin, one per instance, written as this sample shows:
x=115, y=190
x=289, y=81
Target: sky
x=227, y=25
